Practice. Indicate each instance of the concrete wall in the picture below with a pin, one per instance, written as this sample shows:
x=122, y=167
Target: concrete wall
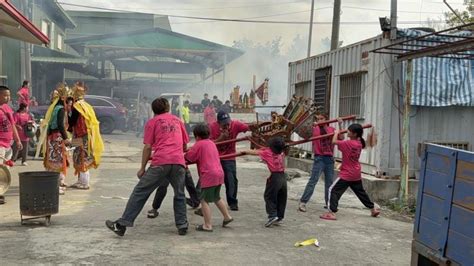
x=11, y=61
x=43, y=11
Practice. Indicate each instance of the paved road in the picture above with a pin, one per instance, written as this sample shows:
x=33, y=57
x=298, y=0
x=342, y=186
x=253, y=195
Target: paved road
x=77, y=234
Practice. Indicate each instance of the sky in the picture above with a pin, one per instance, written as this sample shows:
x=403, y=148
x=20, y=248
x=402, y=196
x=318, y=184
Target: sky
x=418, y=11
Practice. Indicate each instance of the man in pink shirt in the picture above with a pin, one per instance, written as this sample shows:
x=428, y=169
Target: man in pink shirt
x=7, y=129
x=166, y=135
x=223, y=129
x=24, y=93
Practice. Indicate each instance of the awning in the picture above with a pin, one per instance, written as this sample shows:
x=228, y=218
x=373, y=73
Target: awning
x=157, y=42
x=17, y=26
x=46, y=55
x=69, y=61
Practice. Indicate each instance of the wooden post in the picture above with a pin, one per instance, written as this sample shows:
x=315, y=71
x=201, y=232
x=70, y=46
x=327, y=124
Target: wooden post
x=405, y=163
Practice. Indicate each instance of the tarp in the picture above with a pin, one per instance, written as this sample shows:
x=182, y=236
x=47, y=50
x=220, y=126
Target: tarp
x=441, y=82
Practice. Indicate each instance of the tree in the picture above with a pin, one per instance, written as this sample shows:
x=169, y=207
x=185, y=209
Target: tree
x=467, y=15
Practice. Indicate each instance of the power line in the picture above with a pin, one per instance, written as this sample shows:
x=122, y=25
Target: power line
x=399, y=11
x=248, y=20
x=223, y=7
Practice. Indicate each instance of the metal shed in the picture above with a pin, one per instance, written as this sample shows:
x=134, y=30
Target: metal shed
x=353, y=80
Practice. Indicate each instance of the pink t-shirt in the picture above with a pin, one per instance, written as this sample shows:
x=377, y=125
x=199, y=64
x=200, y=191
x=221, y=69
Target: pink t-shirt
x=21, y=119
x=275, y=162
x=26, y=96
x=323, y=146
x=166, y=134
x=350, y=168
x=235, y=128
x=6, y=124
x=209, y=115
x=204, y=153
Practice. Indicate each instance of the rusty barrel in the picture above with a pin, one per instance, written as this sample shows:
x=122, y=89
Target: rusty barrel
x=39, y=193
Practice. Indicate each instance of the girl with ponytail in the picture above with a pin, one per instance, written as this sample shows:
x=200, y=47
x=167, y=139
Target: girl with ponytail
x=350, y=172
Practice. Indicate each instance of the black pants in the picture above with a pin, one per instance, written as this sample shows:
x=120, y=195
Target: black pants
x=230, y=181
x=339, y=187
x=157, y=176
x=193, y=191
x=23, y=153
x=276, y=195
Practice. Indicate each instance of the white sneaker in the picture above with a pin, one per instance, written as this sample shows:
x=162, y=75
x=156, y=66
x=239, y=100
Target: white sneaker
x=302, y=207
x=24, y=164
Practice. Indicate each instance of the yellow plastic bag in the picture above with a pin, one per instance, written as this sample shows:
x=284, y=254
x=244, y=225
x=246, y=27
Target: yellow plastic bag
x=308, y=242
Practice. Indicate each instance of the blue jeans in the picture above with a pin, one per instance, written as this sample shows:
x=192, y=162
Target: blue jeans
x=320, y=164
x=154, y=177
x=230, y=181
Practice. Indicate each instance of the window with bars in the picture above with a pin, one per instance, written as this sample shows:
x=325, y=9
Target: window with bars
x=322, y=89
x=350, y=94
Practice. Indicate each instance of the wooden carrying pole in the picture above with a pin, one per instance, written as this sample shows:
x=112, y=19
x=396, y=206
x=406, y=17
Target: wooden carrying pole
x=350, y=117
x=227, y=156
x=323, y=136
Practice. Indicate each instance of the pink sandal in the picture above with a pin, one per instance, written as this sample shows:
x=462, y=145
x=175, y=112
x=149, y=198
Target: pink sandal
x=328, y=216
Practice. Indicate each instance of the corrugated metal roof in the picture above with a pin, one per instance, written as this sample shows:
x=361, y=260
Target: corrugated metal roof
x=161, y=42
x=46, y=55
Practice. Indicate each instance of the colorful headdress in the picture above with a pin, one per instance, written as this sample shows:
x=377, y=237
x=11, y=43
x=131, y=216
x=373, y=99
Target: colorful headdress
x=79, y=90
x=61, y=92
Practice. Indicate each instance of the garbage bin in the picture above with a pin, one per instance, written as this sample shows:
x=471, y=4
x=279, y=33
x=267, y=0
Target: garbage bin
x=39, y=195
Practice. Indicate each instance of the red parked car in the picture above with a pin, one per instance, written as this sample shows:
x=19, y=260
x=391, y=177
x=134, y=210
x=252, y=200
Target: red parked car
x=110, y=113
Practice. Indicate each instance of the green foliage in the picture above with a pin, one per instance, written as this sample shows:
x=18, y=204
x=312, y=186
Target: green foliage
x=467, y=15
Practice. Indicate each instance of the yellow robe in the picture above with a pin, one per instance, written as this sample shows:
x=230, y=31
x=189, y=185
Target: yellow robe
x=96, y=145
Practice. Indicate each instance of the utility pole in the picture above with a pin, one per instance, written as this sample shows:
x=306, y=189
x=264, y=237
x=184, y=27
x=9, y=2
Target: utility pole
x=336, y=20
x=310, y=28
x=393, y=20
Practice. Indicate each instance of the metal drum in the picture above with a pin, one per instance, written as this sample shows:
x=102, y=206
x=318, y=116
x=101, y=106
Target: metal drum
x=39, y=195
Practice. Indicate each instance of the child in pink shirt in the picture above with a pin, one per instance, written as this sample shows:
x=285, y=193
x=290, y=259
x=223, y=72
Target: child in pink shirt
x=350, y=172
x=22, y=118
x=276, y=188
x=211, y=176
x=7, y=130
x=323, y=162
